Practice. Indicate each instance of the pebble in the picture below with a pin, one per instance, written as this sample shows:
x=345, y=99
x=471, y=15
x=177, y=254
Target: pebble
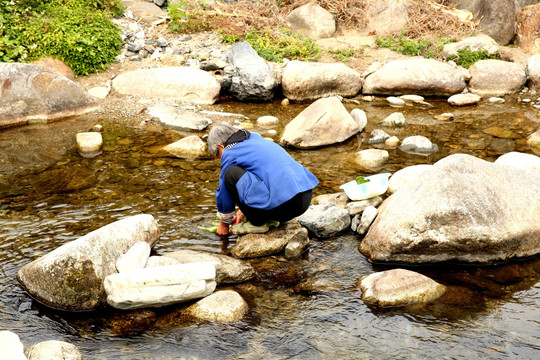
x=445, y=117
x=395, y=101
x=496, y=100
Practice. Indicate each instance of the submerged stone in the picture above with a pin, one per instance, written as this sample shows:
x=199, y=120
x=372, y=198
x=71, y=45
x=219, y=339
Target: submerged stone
x=221, y=306
x=399, y=287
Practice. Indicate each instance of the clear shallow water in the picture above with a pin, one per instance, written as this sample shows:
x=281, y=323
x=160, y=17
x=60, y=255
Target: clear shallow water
x=304, y=309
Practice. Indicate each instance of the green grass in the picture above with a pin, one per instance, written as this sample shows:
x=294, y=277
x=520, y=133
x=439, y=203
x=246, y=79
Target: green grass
x=466, y=57
x=428, y=48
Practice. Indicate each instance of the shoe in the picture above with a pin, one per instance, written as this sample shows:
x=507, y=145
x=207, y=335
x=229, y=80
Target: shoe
x=246, y=227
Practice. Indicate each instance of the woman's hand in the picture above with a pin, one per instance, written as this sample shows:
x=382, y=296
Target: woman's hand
x=222, y=229
x=238, y=217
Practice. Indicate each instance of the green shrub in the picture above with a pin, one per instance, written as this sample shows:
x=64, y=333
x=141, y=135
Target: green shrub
x=466, y=57
x=78, y=32
x=182, y=21
x=428, y=48
x=274, y=45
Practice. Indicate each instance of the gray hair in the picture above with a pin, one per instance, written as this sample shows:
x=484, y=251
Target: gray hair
x=219, y=135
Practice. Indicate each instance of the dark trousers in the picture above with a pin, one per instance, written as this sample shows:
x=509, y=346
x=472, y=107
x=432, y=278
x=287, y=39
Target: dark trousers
x=284, y=212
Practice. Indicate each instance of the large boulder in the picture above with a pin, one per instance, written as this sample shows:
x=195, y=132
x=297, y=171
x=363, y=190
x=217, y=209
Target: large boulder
x=462, y=209
x=253, y=78
x=34, y=93
x=184, y=83
x=324, y=122
x=497, y=19
x=426, y=77
x=386, y=17
x=303, y=81
x=528, y=29
x=496, y=77
x=71, y=277
x=312, y=21
x=533, y=69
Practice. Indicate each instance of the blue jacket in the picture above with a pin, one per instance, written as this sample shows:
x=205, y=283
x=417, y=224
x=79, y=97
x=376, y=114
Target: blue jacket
x=272, y=176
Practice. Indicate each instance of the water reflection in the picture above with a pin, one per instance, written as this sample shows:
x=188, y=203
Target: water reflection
x=305, y=309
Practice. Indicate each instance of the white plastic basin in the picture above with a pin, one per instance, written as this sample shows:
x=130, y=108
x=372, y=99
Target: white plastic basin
x=377, y=185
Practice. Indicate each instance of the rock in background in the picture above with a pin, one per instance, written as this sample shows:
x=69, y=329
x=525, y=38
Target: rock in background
x=35, y=93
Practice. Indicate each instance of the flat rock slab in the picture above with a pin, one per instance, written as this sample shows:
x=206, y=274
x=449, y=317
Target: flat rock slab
x=177, y=118
x=160, y=286
x=228, y=269
x=188, y=84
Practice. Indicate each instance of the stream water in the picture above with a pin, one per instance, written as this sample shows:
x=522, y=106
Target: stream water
x=304, y=309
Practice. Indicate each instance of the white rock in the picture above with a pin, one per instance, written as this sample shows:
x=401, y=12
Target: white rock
x=12, y=347
x=222, y=306
x=419, y=144
x=155, y=261
x=179, y=118
x=360, y=117
x=534, y=142
x=464, y=99
x=377, y=136
x=399, y=287
x=267, y=121
x=412, y=98
x=368, y=215
x=160, y=286
x=496, y=100
x=395, y=101
x=520, y=160
x=445, y=117
x=99, y=92
x=54, y=350
x=188, y=147
x=391, y=142
x=371, y=158
x=395, y=119
x=183, y=83
x=325, y=122
x=356, y=207
x=135, y=258
x=89, y=144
